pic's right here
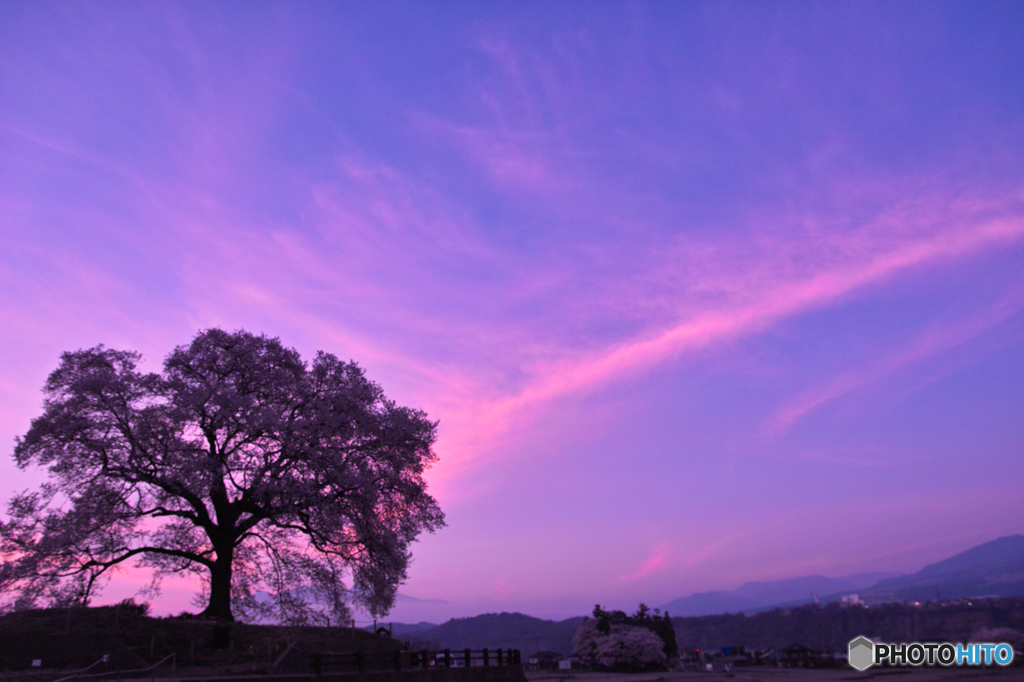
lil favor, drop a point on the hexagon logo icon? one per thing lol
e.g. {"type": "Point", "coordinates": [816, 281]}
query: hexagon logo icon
{"type": "Point", "coordinates": [861, 653]}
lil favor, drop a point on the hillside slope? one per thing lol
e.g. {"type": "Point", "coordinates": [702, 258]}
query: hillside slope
{"type": "Point", "coordinates": [995, 568]}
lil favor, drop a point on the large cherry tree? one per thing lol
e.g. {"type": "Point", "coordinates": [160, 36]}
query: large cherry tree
{"type": "Point", "coordinates": [239, 462]}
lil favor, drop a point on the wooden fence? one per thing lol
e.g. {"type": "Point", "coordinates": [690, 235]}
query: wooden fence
{"type": "Point", "coordinates": [407, 660]}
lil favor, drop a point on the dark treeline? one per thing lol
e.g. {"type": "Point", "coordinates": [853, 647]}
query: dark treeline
{"type": "Point", "coordinates": [832, 627]}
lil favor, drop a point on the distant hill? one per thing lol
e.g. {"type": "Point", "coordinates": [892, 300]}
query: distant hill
{"type": "Point", "coordinates": [398, 629]}
{"type": "Point", "coordinates": [502, 631]}
{"type": "Point", "coordinates": [709, 603]}
{"type": "Point", "coordinates": [999, 557]}
{"type": "Point", "coordinates": [993, 569]}
{"type": "Point", "coordinates": [758, 596]}
{"type": "Point", "coordinates": [808, 587]}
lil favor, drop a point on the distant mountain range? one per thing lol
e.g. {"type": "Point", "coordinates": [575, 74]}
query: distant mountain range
{"type": "Point", "coordinates": [758, 596]}
{"type": "Point", "coordinates": [408, 629]}
{"type": "Point", "coordinates": [500, 631]}
{"type": "Point", "coordinates": [995, 568]}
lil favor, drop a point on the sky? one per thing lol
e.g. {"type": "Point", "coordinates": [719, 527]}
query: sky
{"type": "Point", "coordinates": [700, 293]}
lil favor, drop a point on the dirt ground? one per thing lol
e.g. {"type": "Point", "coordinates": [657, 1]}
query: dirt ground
{"type": "Point", "coordinates": [764, 674]}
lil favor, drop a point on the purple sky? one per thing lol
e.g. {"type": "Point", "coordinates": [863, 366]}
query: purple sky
{"type": "Point", "coordinates": [700, 293]}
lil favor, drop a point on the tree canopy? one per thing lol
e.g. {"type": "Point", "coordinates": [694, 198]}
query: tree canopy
{"type": "Point", "coordinates": [659, 624]}
{"type": "Point", "coordinates": [623, 647]}
{"type": "Point", "coordinates": [239, 463]}
{"type": "Point", "coordinates": [618, 641]}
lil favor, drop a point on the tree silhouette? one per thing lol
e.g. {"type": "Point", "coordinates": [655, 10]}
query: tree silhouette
{"type": "Point", "coordinates": [240, 463]}
{"type": "Point", "coordinates": [614, 640]}
{"type": "Point", "coordinates": [657, 623]}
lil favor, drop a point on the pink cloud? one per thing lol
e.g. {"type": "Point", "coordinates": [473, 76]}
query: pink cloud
{"type": "Point", "coordinates": [654, 563]}
{"type": "Point", "coordinates": [867, 259]}
{"type": "Point", "coordinates": [704, 553]}
{"type": "Point", "coordinates": [376, 249]}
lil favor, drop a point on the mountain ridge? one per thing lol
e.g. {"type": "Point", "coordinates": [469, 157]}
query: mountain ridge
{"type": "Point", "coordinates": [501, 631]}
{"type": "Point", "coordinates": [759, 595]}
{"type": "Point", "coordinates": [992, 568]}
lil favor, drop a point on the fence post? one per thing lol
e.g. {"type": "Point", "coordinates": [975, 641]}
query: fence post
{"type": "Point", "coordinates": [423, 659]}
{"type": "Point", "coordinates": [499, 658]}
{"type": "Point", "coordinates": [318, 664]}
{"type": "Point", "coordinates": [398, 659]}
{"type": "Point", "coordinates": [467, 657]}
{"type": "Point", "coordinates": [487, 658]}
{"type": "Point", "coordinates": [360, 661]}
{"type": "Point", "coordinates": [447, 658]}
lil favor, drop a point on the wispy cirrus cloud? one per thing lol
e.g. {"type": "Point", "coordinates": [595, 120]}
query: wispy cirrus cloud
{"type": "Point", "coordinates": [774, 293]}
{"type": "Point", "coordinates": [931, 342]}
{"type": "Point", "coordinates": [531, 226]}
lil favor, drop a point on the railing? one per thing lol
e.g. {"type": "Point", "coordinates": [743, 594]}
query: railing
{"type": "Point", "coordinates": [76, 673]}
{"type": "Point", "coordinates": [37, 674]}
{"type": "Point", "coordinates": [173, 658]}
{"type": "Point", "coordinates": [406, 660]}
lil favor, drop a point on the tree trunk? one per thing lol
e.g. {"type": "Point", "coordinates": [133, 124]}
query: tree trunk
{"type": "Point", "coordinates": [220, 589]}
